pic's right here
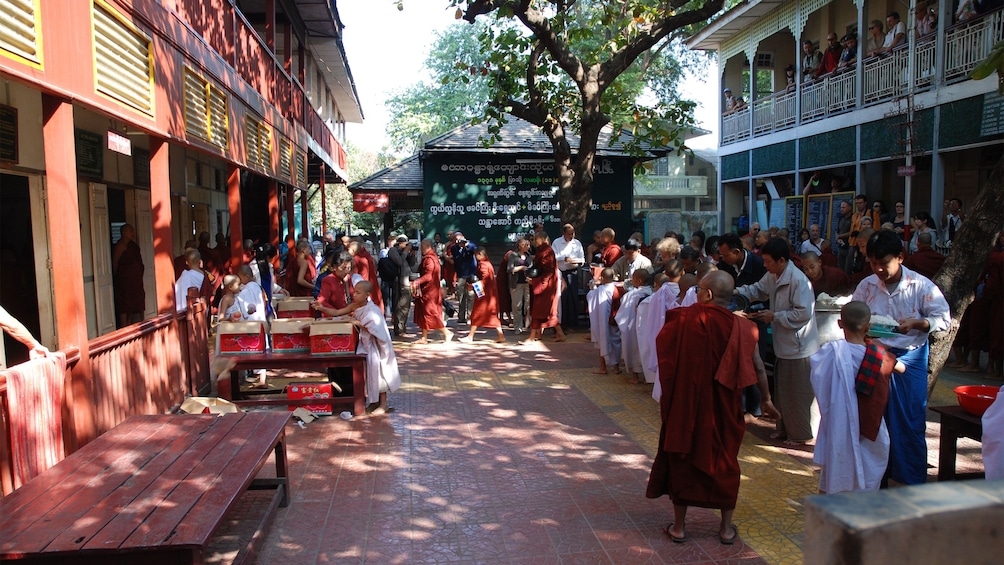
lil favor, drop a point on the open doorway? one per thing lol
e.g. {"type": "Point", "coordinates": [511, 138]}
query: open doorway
{"type": "Point", "coordinates": [18, 281]}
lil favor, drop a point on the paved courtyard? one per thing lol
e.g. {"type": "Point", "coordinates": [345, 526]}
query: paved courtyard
{"type": "Point", "coordinates": [513, 454]}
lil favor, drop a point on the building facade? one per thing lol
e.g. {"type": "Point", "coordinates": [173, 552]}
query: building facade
{"type": "Point", "coordinates": [175, 116]}
{"type": "Point", "coordinates": [906, 125]}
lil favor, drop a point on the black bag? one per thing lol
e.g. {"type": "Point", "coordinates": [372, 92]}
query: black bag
{"type": "Point", "coordinates": [387, 270]}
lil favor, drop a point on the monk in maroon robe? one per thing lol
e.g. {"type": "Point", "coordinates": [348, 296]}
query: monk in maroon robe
{"type": "Point", "coordinates": [127, 262]}
{"type": "Point", "coordinates": [925, 260]}
{"type": "Point", "coordinates": [365, 266]}
{"type": "Point", "coordinates": [485, 313]}
{"type": "Point", "coordinates": [707, 355]}
{"type": "Point", "coordinates": [544, 295]}
{"type": "Point", "coordinates": [611, 251]}
{"type": "Point", "coordinates": [428, 295]}
{"type": "Point", "coordinates": [823, 279]}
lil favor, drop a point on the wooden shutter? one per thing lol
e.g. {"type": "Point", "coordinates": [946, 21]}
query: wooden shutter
{"type": "Point", "coordinates": [123, 61]}
{"type": "Point", "coordinates": [20, 31]}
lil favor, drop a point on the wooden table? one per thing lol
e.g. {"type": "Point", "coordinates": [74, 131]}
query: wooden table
{"type": "Point", "coordinates": [955, 423]}
{"type": "Point", "coordinates": [300, 362]}
{"type": "Point", "coordinates": [152, 490]}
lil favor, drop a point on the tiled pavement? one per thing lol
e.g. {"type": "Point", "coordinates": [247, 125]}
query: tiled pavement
{"type": "Point", "coordinates": [520, 454]}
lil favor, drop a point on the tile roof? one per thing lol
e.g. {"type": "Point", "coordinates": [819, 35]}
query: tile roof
{"type": "Point", "coordinates": [403, 175]}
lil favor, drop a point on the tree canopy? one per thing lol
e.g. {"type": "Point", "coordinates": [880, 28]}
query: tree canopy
{"type": "Point", "coordinates": [573, 68]}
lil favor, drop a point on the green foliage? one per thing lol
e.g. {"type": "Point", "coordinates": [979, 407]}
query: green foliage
{"type": "Point", "coordinates": [340, 215]}
{"type": "Point", "coordinates": [427, 109]}
{"type": "Point", "coordinates": [993, 63]}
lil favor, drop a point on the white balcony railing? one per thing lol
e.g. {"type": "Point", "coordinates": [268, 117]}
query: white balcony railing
{"type": "Point", "coordinates": [774, 112]}
{"type": "Point", "coordinates": [966, 45]}
{"type": "Point", "coordinates": [736, 126]}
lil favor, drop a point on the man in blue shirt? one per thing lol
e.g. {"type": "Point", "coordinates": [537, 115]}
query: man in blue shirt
{"type": "Point", "coordinates": [467, 268]}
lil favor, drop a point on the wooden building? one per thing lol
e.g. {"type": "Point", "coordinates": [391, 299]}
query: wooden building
{"type": "Point", "coordinates": [177, 117]}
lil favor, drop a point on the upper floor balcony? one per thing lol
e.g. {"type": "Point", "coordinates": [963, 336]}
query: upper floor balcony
{"type": "Point", "coordinates": [942, 57]}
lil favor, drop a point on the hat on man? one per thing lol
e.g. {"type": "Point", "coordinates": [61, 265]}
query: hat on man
{"type": "Point", "coordinates": [458, 235]}
{"type": "Point", "coordinates": [402, 238]}
{"type": "Point", "coordinates": [727, 91]}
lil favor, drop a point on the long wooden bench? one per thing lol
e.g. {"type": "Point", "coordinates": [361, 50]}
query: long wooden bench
{"type": "Point", "coordinates": [152, 490]}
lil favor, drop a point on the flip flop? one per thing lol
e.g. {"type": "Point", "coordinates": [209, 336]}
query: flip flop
{"type": "Point", "coordinates": [675, 539]}
{"type": "Point", "coordinates": [732, 540]}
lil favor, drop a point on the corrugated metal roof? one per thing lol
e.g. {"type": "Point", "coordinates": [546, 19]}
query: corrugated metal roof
{"type": "Point", "coordinates": [520, 136]}
{"type": "Point", "coordinates": [401, 176]}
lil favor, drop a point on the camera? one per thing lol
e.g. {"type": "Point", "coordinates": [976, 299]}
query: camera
{"type": "Point", "coordinates": [754, 308]}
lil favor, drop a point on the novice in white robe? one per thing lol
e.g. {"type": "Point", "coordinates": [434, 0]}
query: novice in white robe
{"type": "Point", "coordinates": [650, 325]}
{"type": "Point", "coordinates": [993, 438]}
{"type": "Point", "coordinates": [605, 337]}
{"type": "Point", "coordinates": [382, 375]}
{"type": "Point", "coordinates": [850, 462]}
{"type": "Point", "coordinates": [627, 322]}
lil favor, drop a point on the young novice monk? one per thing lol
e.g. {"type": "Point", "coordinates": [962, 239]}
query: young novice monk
{"type": "Point", "coordinates": [850, 378]}
{"type": "Point", "coordinates": [382, 374]}
{"type": "Point", "coordinates": [230, 308]}
{"type": "Point", "coordinates": [605, 335]}
{"type": "Point", "coordinates": [627, 318]}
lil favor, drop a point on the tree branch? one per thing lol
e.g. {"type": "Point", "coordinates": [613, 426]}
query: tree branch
{"type": "Point", "coordinates": [622, 59]}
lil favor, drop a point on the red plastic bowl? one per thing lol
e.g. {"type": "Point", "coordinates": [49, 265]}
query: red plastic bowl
{"type": "Point", "coordinates": [975, 399]}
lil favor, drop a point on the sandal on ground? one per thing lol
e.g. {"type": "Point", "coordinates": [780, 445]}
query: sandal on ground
{"type": "Point", "coordinates": [729, 541]}
{"type": "Point", "coordinates": [779, 436]}
{"type": "Point", "coordinates": [675, 539]}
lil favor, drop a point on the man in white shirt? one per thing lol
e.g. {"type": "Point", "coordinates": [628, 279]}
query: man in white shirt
{"type": "Point", "coordinates": [632, 260]}
{"type": "Point", "coordinates": [920, 308]}
{"type": "Point", "coordinates": [814, 243]}
{"type": "Point", "coordinates": [896, 35]}
{"type": "Point", "coordinates": [570, 256]}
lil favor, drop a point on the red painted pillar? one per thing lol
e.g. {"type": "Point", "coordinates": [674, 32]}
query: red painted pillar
{"type": "Point", "coordinates": [270, 25]}
{"type": "Point", "coordinates": [273, 213]}
{"type": "Point", "coordinates": [64, 212]}
{"type": "Point", "coordinates": [160, 205]}
{"type": "Point", "coordinates": [304, 224]}
{"type": "Point", "coordinates": [290, 216]}
{"type": "Point", "coordinates": [324, 205]}
{"type": "Point", "coordinates": [236, 226]}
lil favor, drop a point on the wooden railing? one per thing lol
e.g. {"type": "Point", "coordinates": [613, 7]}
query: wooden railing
{"type": "Point", "coordinates": [146, 368]}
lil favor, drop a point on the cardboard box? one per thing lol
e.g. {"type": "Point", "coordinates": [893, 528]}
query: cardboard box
{"type": "Point", "coordinates": [241, 337]}
{"type": "Point", "coordinates": [296, 391]}
{"type": "Point", "coordinates": [208, 405]}
{"type": "Point", "coordinates": [291, 336]}
{"type": "Point", "coordinates": [294, 307]}
{"type": "Point", "coordinates": [333, 337]}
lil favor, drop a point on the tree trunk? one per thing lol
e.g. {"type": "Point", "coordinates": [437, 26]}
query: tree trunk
{"type": "Point", "coordinates": [960, 273]}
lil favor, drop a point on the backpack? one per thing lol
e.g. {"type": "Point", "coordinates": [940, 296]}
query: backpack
{"type": "Point", "coordinates": [387, 269]}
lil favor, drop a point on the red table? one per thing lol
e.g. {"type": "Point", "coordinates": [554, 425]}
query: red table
{"type": "Point", "coordinates": [152, 490]}
{"type": "Point", "coordinates": [300, 362]}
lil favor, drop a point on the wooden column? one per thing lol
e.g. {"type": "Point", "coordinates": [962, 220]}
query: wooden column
{"type": "Point", "coordinates": [304, 225]}
{"type": "Point", "coordinates": [270, 25]}
{"type": "Point", "coordinates": [324, 205]}
{"type": "Point", "coordinates": [290, 216]}
{"type": "Point", "coordinates": [160, 206]}
{"type": "Point", "coordinates": [273, 213]}
{"type": "Point", "coordinates": [64, 241]}
{"type": "Point", "coordinates": [236, 225]}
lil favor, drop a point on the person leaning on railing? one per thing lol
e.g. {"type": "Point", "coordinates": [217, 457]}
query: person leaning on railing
{"type": "Point", "coordinates": [16, 330]}
{"type": "Point", "coordinates": [732, 103]}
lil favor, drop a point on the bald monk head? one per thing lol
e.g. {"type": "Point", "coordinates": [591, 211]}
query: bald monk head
{"type": "Point", "coordinates": [686, 281]}
{"type": "Point", "coordinates": [660, 279]}
{"type": "Point", "coordinates": [361, 292]}
{"type": "Point", "coordinates": [720, 287]}
{"type": "Point", "coordinates": [607, 275]}
{"type": "Point", "coordinates": [704, 268]}
{"type": "Point", "coordinates": [855, 317]}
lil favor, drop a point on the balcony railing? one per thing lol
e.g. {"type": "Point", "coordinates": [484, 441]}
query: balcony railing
{"type": "Point", "coordinates": [966, 45]}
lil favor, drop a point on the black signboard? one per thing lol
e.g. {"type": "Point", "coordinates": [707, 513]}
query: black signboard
{"type": "Point", "coordinates": [8, 134]}
{"type": "Point", "coordinates": [837, 198]}
{"type": "Point", "coordinates": [90, 150]}
{"type": "Point", "coordinates": [498, 198]}
{"type": "Point", "coordinates": [819, 213]}
{"type": "Point", "coordinates": [794, 216]}
{"type": "Point", "coordinates": [140, 167]}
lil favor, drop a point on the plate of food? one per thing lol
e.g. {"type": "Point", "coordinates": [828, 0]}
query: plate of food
{"type": "Point", "coordinates": [883, 326]}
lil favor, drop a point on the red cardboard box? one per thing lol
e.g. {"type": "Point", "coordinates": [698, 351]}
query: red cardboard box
{"type": "Point", "coordinates": [296, 391]}
{"type": "Point", "coordinates": [333, 337]}
{"type": "Point", "coordinates": [241, 337]}
{"type": "Point", "coordinates": [291, 336]}
{"type": "Point", "coordinates": [294, 307]}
